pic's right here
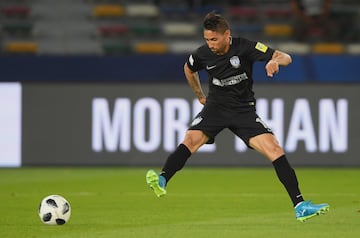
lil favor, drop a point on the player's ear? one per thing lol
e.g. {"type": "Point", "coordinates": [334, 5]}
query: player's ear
{"type": "Point", "coordinates": [227, 33]}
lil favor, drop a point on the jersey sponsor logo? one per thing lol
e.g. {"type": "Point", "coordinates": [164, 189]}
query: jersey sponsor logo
{"type": "Point", "coordinates": [230, 81]}
{"type": "Point", "coordinates": [210, 67]}
{"type": "Point", "coordinates": [235, 61]}
{"type": "Point", "coordinates": [261, 47]}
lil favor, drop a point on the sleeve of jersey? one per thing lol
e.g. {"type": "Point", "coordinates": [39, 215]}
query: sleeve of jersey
{"type": "Point", "coordinates": [193, 62]}
{"type": "Point", "coordinates": [259, 51]}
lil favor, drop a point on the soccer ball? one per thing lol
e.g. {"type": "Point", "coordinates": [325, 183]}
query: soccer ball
{"type": "Point", "coordinates": [54, 210]}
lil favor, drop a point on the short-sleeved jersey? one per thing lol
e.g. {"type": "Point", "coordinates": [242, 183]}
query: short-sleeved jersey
{"type": "Point", "coordinates": [230, 75]}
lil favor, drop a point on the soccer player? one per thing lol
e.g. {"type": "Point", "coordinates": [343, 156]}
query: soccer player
{"type": "Point", "coordinates": [230, 103]}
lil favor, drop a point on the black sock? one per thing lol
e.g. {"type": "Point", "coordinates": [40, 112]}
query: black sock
{"type": "Point", "coordinates": [175, 162]}
{"type": "Point", "coordinates": [287, 176]}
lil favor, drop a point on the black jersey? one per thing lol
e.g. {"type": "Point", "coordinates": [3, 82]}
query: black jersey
{"type": "Point", "coordinates": [230, 75]}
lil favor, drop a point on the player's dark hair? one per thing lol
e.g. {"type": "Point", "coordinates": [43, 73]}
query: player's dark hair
{"type": "Point", "coordinates": [215, 22]}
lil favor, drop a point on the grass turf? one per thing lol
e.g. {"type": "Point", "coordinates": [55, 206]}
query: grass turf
{"type": "Point", "coordinates": [201, 202]}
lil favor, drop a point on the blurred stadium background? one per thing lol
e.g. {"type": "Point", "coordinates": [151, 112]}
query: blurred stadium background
{"type": "Point", "coordinates": [71, 69]}
{"type": "Point", "coordinates": [103, 27]}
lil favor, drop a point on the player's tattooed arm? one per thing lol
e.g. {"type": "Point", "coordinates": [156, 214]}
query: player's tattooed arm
{"type": "Point", "coordinates": [194, 82]}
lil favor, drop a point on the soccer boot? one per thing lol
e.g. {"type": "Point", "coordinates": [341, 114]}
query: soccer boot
{"type": "Point", "coordinates": [307, 209]}
{"type": "Point", "coordinates": [156, 183]}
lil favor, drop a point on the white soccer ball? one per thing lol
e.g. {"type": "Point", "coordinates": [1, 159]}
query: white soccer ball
{"type": "Point", "coordinates": [54, 210]}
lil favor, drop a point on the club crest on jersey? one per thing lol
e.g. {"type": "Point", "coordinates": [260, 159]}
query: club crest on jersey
{"type": "Point", "coordinates": [235, 61]}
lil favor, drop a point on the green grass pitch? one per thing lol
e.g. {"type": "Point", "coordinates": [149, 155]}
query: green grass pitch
{"type": "Point", "coordinates": [201, 202]}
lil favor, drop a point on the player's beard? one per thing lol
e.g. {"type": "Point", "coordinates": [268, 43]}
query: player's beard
{"type": "Point", "coordinates": [215, 51]}
{"type": "Point", "coordinates": [219, 51]}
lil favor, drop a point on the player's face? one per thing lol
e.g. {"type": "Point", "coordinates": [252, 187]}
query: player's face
{"type": "Point", "coordinates": [217, 42]}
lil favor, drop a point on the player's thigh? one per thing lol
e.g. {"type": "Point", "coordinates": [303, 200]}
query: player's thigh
{"type": "Point", "coordinates": [247, 125]}
{"type": "Point", "coordinates": [210, 120]}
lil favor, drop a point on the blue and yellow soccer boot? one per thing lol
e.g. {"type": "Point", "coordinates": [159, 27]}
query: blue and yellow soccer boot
{"type": "Point", "coordinates": [307, 209]}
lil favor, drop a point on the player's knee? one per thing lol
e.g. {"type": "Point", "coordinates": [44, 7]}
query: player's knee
{"type": "Point", "coordinates": [275, 151]}
{"type": "Point", "coordinates": [190, 143]}
{"type": "Point", "coordinates": [194, 140]}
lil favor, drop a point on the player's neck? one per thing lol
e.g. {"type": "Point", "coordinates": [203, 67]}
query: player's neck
{"type": "Point", "coordinates": [227, 47]}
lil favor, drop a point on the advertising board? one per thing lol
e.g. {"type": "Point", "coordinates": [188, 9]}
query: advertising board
{"type": "Point", "coordinates": [140, 124]}
{"type": "Point", "coordinates": [10, 124]}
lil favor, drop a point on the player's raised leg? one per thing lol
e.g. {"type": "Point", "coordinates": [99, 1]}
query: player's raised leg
{"type": "Point", "coordinates": [156, 183]}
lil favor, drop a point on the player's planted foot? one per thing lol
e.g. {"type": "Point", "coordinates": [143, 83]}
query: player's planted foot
{"type": "Point", "coordinates": [156, 183]}
{"type": "Point", "coordinates": [307, 209]}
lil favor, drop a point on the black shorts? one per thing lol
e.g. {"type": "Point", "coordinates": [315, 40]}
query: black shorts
{"type": "Point", "coordinates": [213, 119]}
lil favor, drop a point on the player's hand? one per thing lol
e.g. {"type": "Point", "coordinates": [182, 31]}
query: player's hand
{"type": "Point", "coordinates": [272, 67]}
{"type": "Point", "coordinates": [202, 100]}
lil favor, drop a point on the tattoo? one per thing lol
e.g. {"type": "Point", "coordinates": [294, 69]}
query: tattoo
{"type": "Point", "coordinates": [195, 85]}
